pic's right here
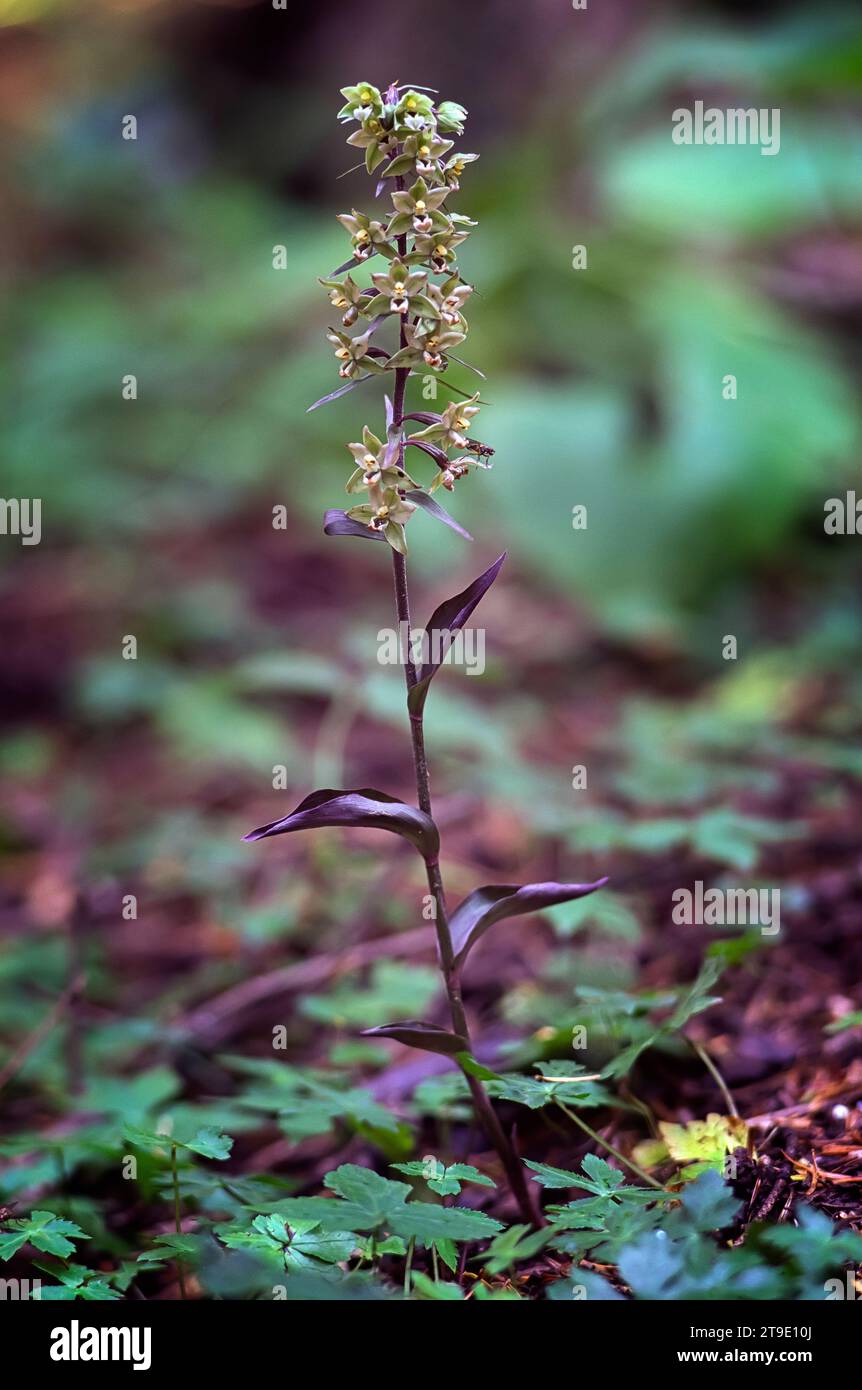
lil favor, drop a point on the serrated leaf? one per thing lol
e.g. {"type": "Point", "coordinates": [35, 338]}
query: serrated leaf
{"type": "Point", "coordinates": [426, 1223]}
{"type": "Point", "coordinates": [360, 806]}
{"type": "Point", "coordinates": [209, 1143]}
{"type": "Point", "coordinates": [519, 1242]}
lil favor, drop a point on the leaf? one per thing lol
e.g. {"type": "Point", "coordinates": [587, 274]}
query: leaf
{"type": "Point", "coordinates": [359, 806]}
{"type": "Point", "coordinates": [594, 1288]}
{"type": "Point", "coordinates": [440, 1292]}
{"type": "Point", "coordinates": [694, 1001]}
{"type": "Point", "coordinates": [451, 617]}
{"type": "Point", "coordinates": [209, 1143]}
{"type": "Point", "coordinates": [598, 1177]}
{"type": "Point", "coordinates": [517, 1243]}
{"type": "Point", "coordinates": [482, 908]}
{"type": "Point", "coordinates": [341, 391]}
{"type": "Point", "coordinates": [705, 1142]}
{"type": "Point", "coordinates": [426, 1223]}
{"type": "Point", "coordinates": [338, 523]}
{"type": "Point", "coordinates": [429, 1037]}
{"type": "Point", "coordinates": [45, 1231]}
{"type": "Point", "coordinates": [445, 1181]}
{"type": "Point", "coordinates": [428, 504]}
{"type": "Point", "coordinates": [349, 265]}
{"type": "Point", "coordinates": [370, 1201]}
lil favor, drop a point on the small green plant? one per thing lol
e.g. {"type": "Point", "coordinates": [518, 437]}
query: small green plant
{"type": "Point", "coordinates": [405, 135]}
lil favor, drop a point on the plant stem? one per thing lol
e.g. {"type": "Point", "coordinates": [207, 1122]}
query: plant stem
{"type": "Point", "coordinates": [411, 1246]}
{"type": "Point", "coordinates": [177, 1218]}
{"type": "Point", "coordinates": [717, 1078]}
{"type": "Point", "coordinates": [629, 1163]}
{"type": "Point", "coordinates": [485, 1112]}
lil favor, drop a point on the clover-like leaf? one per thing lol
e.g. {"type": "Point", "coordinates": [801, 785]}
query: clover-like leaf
{"type": "Point", "coordinates": [451, 617]}
{"type": "Point", "coordinates": [482, 908]}
{"type": "Point", "coordinates": [429, 1037]}
{"type": "Point", "coordinates": [357, 806]}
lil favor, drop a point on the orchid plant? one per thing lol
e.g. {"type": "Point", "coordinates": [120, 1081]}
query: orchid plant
{"type": "Point", "coordinates": [405, 136]}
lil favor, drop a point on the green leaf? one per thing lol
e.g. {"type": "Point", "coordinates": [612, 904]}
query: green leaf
{"type": "Point", "coordinates": [511, 1246]}
{"type": "Point", "coordinates": [43, 1230]}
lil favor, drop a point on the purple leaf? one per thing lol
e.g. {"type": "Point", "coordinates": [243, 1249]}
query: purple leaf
{"type": "Point", "coordinates": [349, 265]}
{"type": "Point", "coordinates": [342, 391]}
{"type": "Point", "coordinates": [337, 523]}
{"type": "Point", "coordinates": [428, 504]}
{"type": "Point", "coordinates": [481, 909]}
{"type": "Point", "coordinates": [429, 1037]}
{"type": "Point", "coordinates": [451, 617]}
{"type": "Point", "coordinates": [440, 458]}
{"type": "Point", "coordinates": [357, 806]}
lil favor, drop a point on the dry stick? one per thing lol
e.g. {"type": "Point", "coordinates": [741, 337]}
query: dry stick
{"type": "Point", "coordinates": [485, 1112]}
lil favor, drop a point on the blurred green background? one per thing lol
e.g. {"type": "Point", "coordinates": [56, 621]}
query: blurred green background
{"type": "Point", "coordinates": [257, 647]}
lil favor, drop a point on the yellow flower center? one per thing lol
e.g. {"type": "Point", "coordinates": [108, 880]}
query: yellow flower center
{"type": "Point", "coordinates": [365, 96]}
{"type": "Point", "coordinates": [440, 251]}
{"type": "Point", "coordinates": [383, 512]}
{"type": "Point", "coordinates": [399, 286]}
{"type": "Point", "coordinates": [420, 206]}
{"type": "Point", "coordinates": [424, 151]}
{"type": "Point", "coordinates": [411, 103]}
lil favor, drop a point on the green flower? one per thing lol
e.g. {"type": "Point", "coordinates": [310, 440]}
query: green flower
{"type": "Point", "coordinates": [414, 112]}
{"type": "Point", "coordinates": [421, 153]}
{"type": "Point", "coordinates": [437, 249]}
{"type": "Point", "coordinates": [390, 516]}
{"type": "Point", "coordinates": [352, 353]}
{"type": "Point", "coordinates": [454, 168]}
{"type": "Point", "coordinates": [346, 296]}
{"type": "Point", "coordinates": [377, 467]}
{"type": "Point", "coordinates": [361, 102]}
{"type": "Point", "coordinates": [451, 115]}
{"type": "Point", "coordinates": [447, 302]}
{"type": "Point", "coordinates": [367, 236]}
{"type": "Point", "coordinates": [418, 210]}
{"type": "Point", "coordinates": [449, 430]}
{"type": "Point", "coordinates": [428, 345]}
{"type": "Point", "coordinates": [400, 291]}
